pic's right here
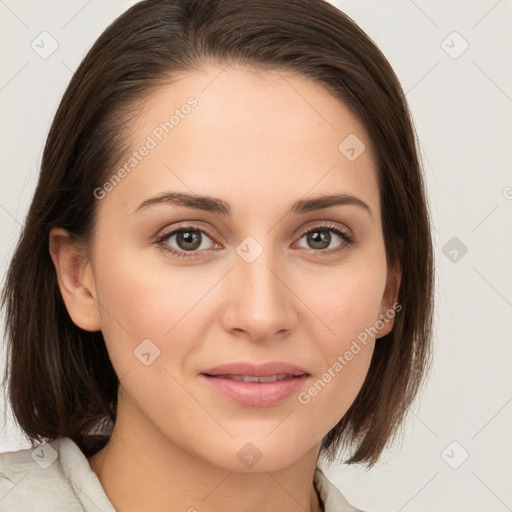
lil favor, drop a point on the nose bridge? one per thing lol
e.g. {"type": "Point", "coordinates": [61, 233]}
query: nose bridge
{"type": "Point", "coordinates": [260, 301]}
{"type": "Point", "coordinates": [261, 278]}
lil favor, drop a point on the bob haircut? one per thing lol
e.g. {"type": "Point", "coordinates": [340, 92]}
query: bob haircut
{"type": "Point", "coordinates": [60, 379]}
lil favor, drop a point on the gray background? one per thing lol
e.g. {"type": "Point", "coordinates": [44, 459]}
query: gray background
{"type": "Point", "coordinates": [456, 449]}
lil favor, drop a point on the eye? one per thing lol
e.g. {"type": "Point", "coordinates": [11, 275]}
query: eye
{"type": "Point", "coordinates": [187, 239]}
{"type": "Point", "coordinates": [320, 239]}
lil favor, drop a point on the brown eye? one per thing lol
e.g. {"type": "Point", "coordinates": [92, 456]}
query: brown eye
{"type": "Point", "coordinates": [322, 238]}
{"type": "Point", "coordinates": [319, 239]}
{"type": "Point", "coordinates": [188, 240]}
{"type": "Point", "coordinates": [185, 240]}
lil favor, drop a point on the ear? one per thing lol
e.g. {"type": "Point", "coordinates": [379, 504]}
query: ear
{"type": "Point", "coordinates": [389, 306]}
{"type": "Point", "coordinates": [76, 280]}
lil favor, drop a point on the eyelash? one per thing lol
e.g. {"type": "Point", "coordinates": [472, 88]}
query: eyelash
{"type": "Point", "coordinates": [347, 239]}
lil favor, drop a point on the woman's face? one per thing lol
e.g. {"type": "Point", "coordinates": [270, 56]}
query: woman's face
{"type": "Point", "coordinates": [241, 283]}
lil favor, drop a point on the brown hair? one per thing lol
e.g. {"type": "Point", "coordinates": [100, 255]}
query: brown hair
{"type": "Point", "coordinates": [61, 381]}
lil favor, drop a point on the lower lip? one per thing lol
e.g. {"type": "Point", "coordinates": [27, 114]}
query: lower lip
{"type": "Point", "coordinates": [257, 394]}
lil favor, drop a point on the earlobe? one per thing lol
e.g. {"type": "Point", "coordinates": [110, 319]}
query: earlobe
{"type": "Point", "coordinates": [76, 280]}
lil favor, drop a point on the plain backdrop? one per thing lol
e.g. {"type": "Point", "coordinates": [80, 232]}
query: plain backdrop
{"type": "Point", "coordinates": [454, 62]}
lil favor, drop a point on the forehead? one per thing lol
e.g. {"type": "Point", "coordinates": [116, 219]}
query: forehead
{"type": "Point", "coordinates": [257, 139]}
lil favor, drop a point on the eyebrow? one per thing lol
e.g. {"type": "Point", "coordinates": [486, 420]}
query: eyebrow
{"type": "Point", "coordinates": [219, 206]}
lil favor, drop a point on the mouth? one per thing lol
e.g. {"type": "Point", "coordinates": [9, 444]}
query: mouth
{"type": "Point", "coordinates": [256, 385]}
{"type": "Point", "coordinates": [256, 378]}
{"type": "Point", "coordinates": [275, 370]}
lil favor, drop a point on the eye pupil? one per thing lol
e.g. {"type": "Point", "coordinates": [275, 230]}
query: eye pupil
{"type": "Point", "coordinates": [188, 240]}
{"type": "Point", "coordinates": [319, 237]}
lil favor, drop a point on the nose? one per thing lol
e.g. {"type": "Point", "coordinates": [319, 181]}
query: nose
{"type": "Point", "coordinates": [259, 302]}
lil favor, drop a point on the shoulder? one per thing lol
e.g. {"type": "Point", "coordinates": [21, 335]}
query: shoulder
{"type": "Point", "coordinates": [48, 477]}
{"type": "Point", "coordinates": [32, 479]}
{"type": "Point", "coordinates": [332, 498]}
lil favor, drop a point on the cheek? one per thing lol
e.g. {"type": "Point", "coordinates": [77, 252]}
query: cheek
{"type": "Point", "coordinates": [346, 354]}
{"type": "Point", "coordinates": [150, 332]}
{"type": "Point", "coordinates": [346, 300]}
{"type": "Point", "coordinates": [140, 301]}
{"type": "Point", "coordinates": [348, 304]}
{"type": "Point", "coordinates": [333, 391]}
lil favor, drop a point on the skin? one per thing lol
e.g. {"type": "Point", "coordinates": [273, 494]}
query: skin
{"type": "Point", "coordinates": [259, 141]}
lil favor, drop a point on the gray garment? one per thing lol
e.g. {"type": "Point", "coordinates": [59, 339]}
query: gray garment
{"type": "Point", "coordinates": [56, 477]}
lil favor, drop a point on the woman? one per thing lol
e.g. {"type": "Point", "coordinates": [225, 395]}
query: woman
{"type": "Point", "coordinates": [226, 270]}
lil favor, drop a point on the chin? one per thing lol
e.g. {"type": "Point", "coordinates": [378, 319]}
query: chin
{"type": "Point", "coordinates": [258, 455]}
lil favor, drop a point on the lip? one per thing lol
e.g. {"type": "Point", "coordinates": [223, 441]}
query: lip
{"type": "Point", "coordinates": [262, 370]}
{"type": "Point", "coordinates": [256, 394]}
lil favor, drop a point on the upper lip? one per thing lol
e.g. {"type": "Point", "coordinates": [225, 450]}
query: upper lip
{"type": "Point", "coordinates": [256, 370]}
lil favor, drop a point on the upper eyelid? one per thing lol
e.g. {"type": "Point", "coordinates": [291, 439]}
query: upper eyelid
{"type": "Point", "coordinates": [326, 225]}
{"type": "Point", "coordinates": [168, 233]}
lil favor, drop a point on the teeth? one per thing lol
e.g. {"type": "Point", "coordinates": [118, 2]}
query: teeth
{"type": "Point", "coordinates": [251, 378]}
